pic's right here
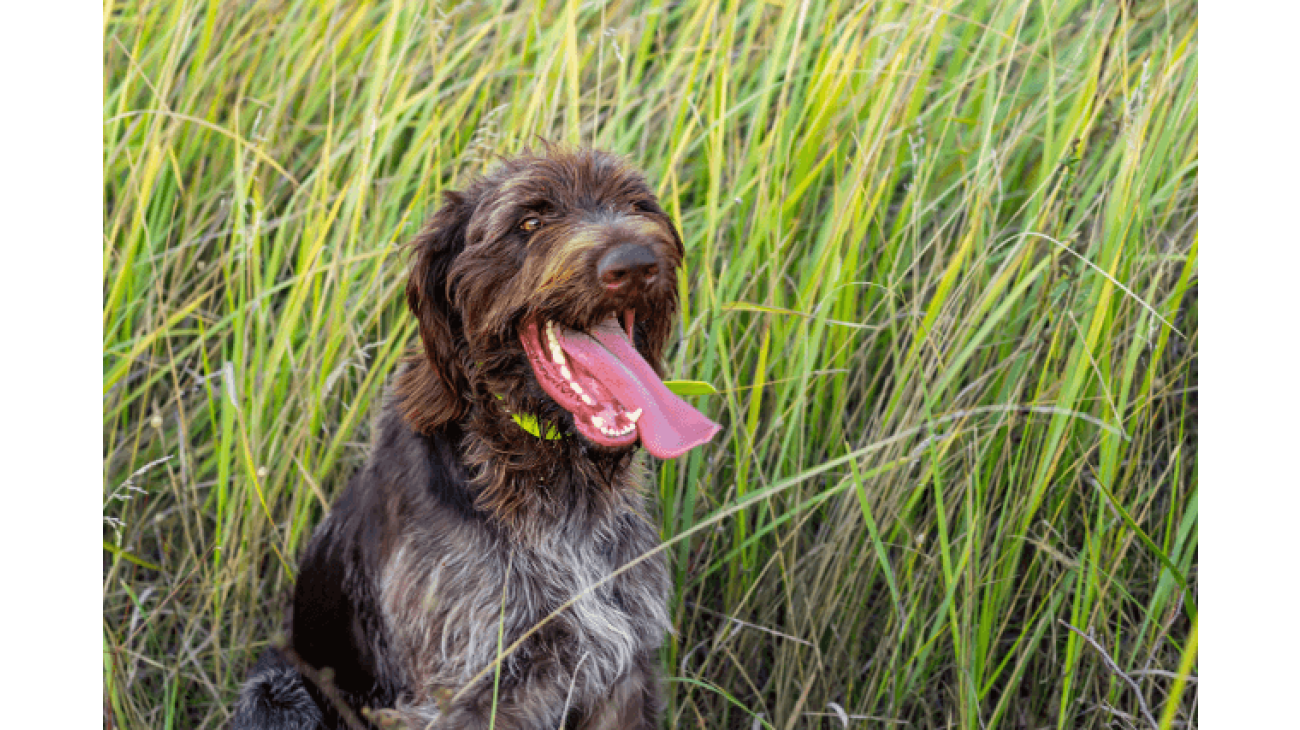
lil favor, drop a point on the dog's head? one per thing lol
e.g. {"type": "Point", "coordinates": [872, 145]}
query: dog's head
{"type": "Point", "coordinates": [549, 287]}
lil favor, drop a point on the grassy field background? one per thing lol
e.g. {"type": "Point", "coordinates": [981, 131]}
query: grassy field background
{"type": "Point", "coordinates": [941, 263]}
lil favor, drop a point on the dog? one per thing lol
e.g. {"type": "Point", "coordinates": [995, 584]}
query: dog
{"type": "Point", "coordinates": [504, 480]}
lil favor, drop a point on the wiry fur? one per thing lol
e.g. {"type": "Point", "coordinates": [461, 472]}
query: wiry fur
{"type": "Point", "coordinates": [462, 532]}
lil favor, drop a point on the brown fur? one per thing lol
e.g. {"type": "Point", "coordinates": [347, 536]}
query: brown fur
{"type": "Point", "coordinates": [401, 591]}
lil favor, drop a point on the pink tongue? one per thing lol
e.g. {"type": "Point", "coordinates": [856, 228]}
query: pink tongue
{"type": "Point", "coordinates": [668, 426]}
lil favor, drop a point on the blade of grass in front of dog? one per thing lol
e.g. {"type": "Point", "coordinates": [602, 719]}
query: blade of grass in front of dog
{"type": "Point", "coordinates": [500, 658]}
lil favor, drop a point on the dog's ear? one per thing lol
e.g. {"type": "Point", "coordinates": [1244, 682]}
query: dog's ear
{"type": "Point", "coordinates": [431, 392]}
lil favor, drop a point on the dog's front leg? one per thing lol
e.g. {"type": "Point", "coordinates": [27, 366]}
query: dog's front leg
{"type": "Point", "coordinates": [633, 703]}
{"type": "Point", "coordinates": [533, 702]}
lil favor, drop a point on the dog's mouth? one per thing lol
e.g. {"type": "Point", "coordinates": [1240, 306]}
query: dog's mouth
{"type": "Point", "coordinates": [614, 395]}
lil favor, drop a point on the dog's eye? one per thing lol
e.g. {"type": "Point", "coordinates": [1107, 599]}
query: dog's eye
{"type": "Point", "coordinates": [644, 206]}
{"type": "Point", "coordinates": [530, 224]}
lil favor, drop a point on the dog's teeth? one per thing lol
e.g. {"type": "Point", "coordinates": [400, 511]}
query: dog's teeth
{"type": "Point", "coordinates": [553, 345]}
{"type": "Point", "coordinates": [634, 415]}
{"type": "Point", "coordinates": [610, 429]}
{"type": "Point", "coordinates": [564, 372]}
{"type": "Point", "coordinates": [576, 388]}
{"type": "Point", "coordinates": [588, 399]}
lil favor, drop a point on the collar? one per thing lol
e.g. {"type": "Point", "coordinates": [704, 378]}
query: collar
{"type": "Point", "coordinates": [528, 422]}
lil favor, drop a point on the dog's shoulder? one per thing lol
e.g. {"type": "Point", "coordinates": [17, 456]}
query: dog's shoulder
{"type": "Point", "coordinates": [338, 618]}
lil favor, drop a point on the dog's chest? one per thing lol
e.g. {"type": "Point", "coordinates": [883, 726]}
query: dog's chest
{"type": "Point", "coordinates": [603, 618]}
{"type": "Point", "coordinates": [447, 608]}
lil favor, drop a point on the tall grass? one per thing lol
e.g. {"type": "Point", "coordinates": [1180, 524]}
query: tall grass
{"type": "Point", "coordinates": [958, 239]}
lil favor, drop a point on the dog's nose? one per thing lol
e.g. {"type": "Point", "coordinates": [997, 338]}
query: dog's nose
{"type": "Point", "coordinates": [629, 265]}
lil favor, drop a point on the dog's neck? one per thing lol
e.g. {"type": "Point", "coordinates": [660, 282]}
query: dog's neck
{"type": "Point", "coordinates": [518, 479]}
{"type": "Point", "coordinates": [521, 479]}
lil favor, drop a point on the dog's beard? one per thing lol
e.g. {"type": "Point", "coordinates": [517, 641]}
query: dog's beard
{"type": "Point", "coordinates": [613, 394]}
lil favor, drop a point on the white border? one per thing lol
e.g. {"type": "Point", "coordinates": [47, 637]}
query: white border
{"type": "Point", "coordinates": [51, 188]}
{"type": "Point", "coordinates": [1251, 488]}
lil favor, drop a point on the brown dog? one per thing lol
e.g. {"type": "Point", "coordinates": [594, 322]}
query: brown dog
{"type": "Point", "coordinates": [502, 482]}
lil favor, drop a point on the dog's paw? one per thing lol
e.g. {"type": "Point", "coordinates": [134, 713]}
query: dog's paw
{"type": "Point", "coordinates": [275, 699]}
